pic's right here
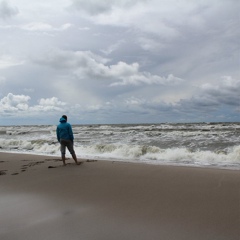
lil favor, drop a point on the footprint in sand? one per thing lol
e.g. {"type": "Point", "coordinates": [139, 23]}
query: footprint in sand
{"type": "Point", "coordinates": [16, 173]}
{"type": "Point", "coordinates": [51, 167]}
{"type": "Point", "coordinates": [53, 159]}
{"type": "Point", "coordinates": [3, 172]}
{"type": "Point", "coordinates": [88, 160]}
{"type": "Point", "coordinates": [24, 169]}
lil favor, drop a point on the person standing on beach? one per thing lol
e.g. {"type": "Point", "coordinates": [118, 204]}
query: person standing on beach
{"type": "Point", "coordinates": [65, 138]}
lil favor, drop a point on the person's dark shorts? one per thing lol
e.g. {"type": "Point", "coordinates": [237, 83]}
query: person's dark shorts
{"type": "Point", "coordinates": [66, 143]}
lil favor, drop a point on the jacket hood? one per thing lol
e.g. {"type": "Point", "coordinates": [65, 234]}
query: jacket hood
{"type": "Point", "coordinates": [62, 120]}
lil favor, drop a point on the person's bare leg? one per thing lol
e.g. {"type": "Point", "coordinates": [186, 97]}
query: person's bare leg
{"type": "Point", "coordinates": [63, 159]}
{"type": "Point", "coordinates": [75, 158]}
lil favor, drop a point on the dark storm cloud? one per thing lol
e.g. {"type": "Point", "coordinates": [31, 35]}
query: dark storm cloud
{"type": "Point", "coordinates": [128, 60]}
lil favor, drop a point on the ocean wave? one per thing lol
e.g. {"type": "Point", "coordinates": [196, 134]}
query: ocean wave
{"type": "Point", "coordinates": [180, 144]}
{"type": "Point", "coordinates": [230, 158]}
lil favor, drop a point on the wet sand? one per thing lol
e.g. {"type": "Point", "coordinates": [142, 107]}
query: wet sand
{"type": "Point", "coordinates": [100, 200]}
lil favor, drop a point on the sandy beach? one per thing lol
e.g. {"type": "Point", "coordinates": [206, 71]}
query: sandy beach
{"type": "Point", "coordinates": [101, 200]}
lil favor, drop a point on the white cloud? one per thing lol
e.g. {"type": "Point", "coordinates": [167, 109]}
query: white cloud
{"type": "Point", "coordinates": [134, 101]}
{"type": "Point", "coordinates": [210, 98]}
{"type": "Point", "coordinates": [51, 102]}
{"type": "Point", "coordinates": [83, 60]}
{"type": "Point", "coordinates": [49, 105]}
{"type": "Point", "coordinates": [92, 66]}
{"type": "Point", "coordinates": [169, 21]}
{"type": "Point", "coordinates": [151, 16]}
{"type": "Point", "coordinates": [7, 11]}
{"type": "Point", "coordinates": [140, 78]}
{"type": "Point", "coordinates": [37, 26]}
{"type": "Point", "coordinates": [112, 47]}
{"type": "Point", "coordinates": [7, 61]}
{"type": "Point", "coordinates": [226, 92]}
{"type": "Point", "coordinates": [149, 44]}
{"type": "Point", "coordinates": [207, 100]}
{"type": "Point", "coordinates": [41, 26]}
{"type": "Point", "coordinates": [13, 103]}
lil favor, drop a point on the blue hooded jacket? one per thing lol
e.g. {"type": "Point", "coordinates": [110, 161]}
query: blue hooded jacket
{"type": "Point", "coordinates": [64, 130]}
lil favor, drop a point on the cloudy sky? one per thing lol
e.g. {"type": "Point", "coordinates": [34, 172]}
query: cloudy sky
{"type": "Point", "coordinates": [119, 61]}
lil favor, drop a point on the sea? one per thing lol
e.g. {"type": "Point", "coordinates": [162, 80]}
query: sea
{"type": "Point", "coordinates": [213, 145]}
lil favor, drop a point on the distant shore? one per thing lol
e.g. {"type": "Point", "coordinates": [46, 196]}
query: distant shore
{"type": "Point", "coordinates": [41, 199]}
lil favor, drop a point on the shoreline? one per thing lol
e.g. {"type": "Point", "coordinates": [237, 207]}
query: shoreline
{"type": "Point", "coordinates": [115, 200]}
{"type": "Point", "coordinates": [130, 161]}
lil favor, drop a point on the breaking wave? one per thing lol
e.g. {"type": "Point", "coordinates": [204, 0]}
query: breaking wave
{"type": "Point", "coordinates": [215, 145]}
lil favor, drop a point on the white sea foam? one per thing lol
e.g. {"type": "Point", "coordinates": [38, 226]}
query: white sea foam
{"type": "Point", "coordinates": [182, 144]}
{"type": "Point", "coordinates": [156, 155]}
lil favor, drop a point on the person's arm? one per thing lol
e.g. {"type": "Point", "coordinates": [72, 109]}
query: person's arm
{"type": "Point", "coordinates": [70, 132]}
{"type": "Point", "coordinates": [58, 136]}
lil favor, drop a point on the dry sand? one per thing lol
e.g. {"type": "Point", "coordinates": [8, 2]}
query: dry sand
{"type": "Point", "coordinates": [101, 200]}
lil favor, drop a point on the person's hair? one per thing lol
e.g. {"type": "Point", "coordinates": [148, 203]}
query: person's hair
{"type": "Point", "coordinates": [64, 116]}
